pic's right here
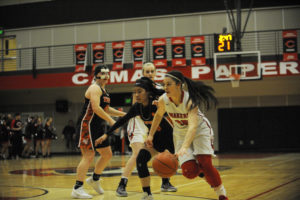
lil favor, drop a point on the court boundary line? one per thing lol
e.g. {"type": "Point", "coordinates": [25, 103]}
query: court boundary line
{"type": "Point", "coordinates": [43, 189]}
{"type": "Point", "coordinates": [272, 189]}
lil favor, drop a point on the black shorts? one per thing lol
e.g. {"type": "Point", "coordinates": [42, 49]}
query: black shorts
{"type": "Point", "coordinates": [89, 132]}
{"type": "Point", "coordinates": [163, 140]}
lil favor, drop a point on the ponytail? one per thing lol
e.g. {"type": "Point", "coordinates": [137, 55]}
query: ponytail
{"type": "Point", "coordinates": [200, 95]}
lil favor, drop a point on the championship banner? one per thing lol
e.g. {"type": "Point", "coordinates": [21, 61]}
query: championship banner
{"type": "Point", "coordinates": [138, 53]}
{"type": "Point", "coordinates": [81, 57]}
{"type": "Point", "coordinates": [118, 55]}
{"type": "Point", "coordinates": [159, 52]}
{"type": "Point", "coordinates": [290, 45]}
{"type": "Point", "coordinates": [198, 51]}
{"type": "Point", "coordinates": [98, 54]}
{"type": "Point", "coordinates": [178, 52]}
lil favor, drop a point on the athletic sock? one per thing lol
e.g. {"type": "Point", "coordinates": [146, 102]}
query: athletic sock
{"type": "Point", "coordinates": [220, 190]}
{"type": "Point", "coordinates": [165, 180]}
{"type": "Point", "coordinates": [123, 181]}
{"type": "Point", "coordinates": [96, 177]}
{"type": "Point", "coordinates": [78, 184]}
{"type": "Point", "coordinates": [147, 189]}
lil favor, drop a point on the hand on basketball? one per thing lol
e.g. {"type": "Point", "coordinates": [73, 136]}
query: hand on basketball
{"type": "Point", "coordinates": [181, 151]}
{"type": "Point", "coordinates": [101, 139]}
{"type": "Point", "coordinates": [149, 141]}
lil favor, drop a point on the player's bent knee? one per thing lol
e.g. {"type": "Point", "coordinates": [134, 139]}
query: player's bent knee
{"type": "Point", "coordinates": [190, 169]}
{"type": "Point", "coordinates": [141, 163]}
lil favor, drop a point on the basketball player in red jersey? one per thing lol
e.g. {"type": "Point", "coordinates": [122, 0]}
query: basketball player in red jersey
{"type": "Point", "coordinates": [96, 112]}
{"type": "Point", "coordinates": [192, 132]}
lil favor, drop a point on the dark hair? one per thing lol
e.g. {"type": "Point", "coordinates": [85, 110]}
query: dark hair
{"type": "Point", "coordinates": [98, 69]}
{"type": "Point", "coordinates": [149, 86]}
{"type": "Point", "coordinates": [199, 93]}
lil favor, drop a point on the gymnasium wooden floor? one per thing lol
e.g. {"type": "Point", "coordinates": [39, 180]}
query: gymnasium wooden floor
{"type": "Point", "coordinates": [246, 177]}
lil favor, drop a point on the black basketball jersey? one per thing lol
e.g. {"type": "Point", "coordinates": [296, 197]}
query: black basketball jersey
{"type": "Point", "coordinates": [163, 138]}
{"type": "Point", "coordinates": [91, 126]}
{"type": "Point", "coordinates": [88, 114]}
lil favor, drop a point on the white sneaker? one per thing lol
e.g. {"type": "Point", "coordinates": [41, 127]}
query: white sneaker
{"type": "Point", "coordinates": [79, 193]}
{"type": "Point", "coordinates": [95, 185]}
{"type": "Point", "coordinates": [146, 196]}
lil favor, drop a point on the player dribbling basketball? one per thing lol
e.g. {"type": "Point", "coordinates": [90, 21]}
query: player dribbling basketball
{"type": "Point", "coordinates": [192, 132]}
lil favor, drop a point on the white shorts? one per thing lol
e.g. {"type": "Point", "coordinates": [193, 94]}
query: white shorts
{"type": "Point", "coordinates": [137, 130]}
{"type": "Point", "coordinates": [202, 144]}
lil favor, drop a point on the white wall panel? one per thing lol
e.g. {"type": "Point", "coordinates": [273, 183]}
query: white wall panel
{"type": "Point", "coordinates": [63, 35]}
{"type": "Point", "coordinates": [161, 27]}
{"type": "Point", "coordinates": [87, 33]}
{"type": "Point", "coordinates": [269, 19]}
{"type": "Point", "coordinates": [111, 31]}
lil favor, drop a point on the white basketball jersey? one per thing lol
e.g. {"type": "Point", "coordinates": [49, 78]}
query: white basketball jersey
{"type": "Point", "coordinates": [179, 116]}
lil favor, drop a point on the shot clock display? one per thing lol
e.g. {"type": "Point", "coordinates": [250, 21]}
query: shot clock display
{"type": "Point", "coordinates": [224, 42]}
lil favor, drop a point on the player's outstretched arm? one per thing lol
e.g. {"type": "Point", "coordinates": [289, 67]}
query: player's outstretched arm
{"type": "Point", "coordinates": [156, 121]}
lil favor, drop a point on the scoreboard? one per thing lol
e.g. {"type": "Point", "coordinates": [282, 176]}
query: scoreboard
{"type": "Point", "coordinates": [224, 42]}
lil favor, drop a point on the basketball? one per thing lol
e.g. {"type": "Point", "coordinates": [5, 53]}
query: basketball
{"type": "Point", "coordinates": [165, 164]}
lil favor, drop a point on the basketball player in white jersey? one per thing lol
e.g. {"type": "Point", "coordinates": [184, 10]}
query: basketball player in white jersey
{"type": "Point", "coordinates": [192, 132]}
{"type": "Point", "coordinates": [137, 133]}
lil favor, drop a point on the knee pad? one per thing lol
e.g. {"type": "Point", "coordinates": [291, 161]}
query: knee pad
{"type": "Point", "coordinates": [190, 169]}
{"type": "Point", "coordinates": [141, 163]}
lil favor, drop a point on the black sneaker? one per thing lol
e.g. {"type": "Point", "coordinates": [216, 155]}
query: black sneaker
{"type": "Point", "coordinates": [168, 187]}
{"type": "Point", "coordinates": [121, 191]}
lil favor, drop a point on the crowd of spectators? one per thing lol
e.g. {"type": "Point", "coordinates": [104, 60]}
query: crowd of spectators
{"type": "Point", "coordinates": [31, 138]}
{"type": "Point", "coordinates": [25, 139]}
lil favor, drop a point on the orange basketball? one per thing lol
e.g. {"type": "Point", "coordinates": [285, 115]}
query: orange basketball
{"type": "Point", "coordinates": [165, 164]}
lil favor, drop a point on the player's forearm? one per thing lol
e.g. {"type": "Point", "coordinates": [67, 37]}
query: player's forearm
{"type": "Point", "coordinates": [155, 123]}
{"type": "Point", "coordinates": [115, 113]}
{"type": "Point", "coordinates": [189, 137]}
{"type": "Point", "coordinates": [101, 113]}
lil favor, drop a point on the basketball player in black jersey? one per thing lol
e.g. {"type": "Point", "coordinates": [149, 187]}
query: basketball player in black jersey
{"type": "Point", "coordinates": [96, 112]}
{"type": "Point", "coordinates": [146, 93]}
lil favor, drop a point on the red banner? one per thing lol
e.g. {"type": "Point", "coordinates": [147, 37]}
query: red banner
{"type": "Point", "coordinates": [81, 57]}
{"type": "Point", "coordinates": [69, 79]}
{"type": "Point", "coordinates": [159, 52]}
{"type": "Point", "coordinates": [118, 55]}
{"type": "Point", "coordinates": [138, 53]}
{"type": "Point", "coordinates": [198, 51]}
{"type": "Point", "coordinates": [98, 54]}
{"type": "Point", "coordinates": [178, 52]}
{"type": "Point", "coordinates": [290, 45]}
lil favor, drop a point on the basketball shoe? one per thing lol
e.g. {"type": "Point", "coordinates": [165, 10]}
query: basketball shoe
{"type": "Point", "coordinates": [146, 196]}
{"type": "Point", "coordinates": [95, 185]}
{"type": "Point", "coordinates": [222, 197]}
{"type": "Point", "coordinates": [79, 193]}
{"type": "Point", "coordinates": [168, 187]}
{"type": "Point", "coordinates": [121, 191]}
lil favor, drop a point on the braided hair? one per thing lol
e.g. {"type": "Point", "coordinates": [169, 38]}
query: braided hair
{"type": "Point", "coordinates": [200, 95]}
